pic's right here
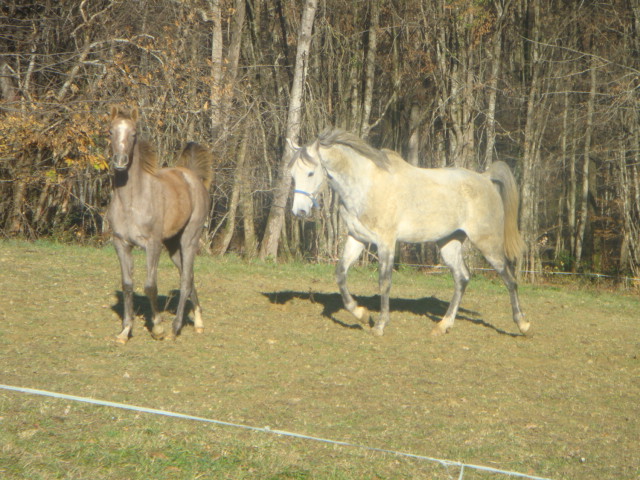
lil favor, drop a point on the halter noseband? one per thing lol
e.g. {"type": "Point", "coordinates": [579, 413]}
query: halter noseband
{"type": "Point", "coordinates": [312, 197]}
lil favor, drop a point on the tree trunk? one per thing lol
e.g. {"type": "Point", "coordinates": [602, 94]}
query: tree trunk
{"type": "Point", "coordinates": [275, 221]}
{"type": "Point", "coordinates": [496, 62]}
{"type": "Point", "coordinates": [529, 218]}
{"type": "Point", "coordinates": [413, 148]}
{"type": "Point", "coordinates": [216, 95]}
{"type": "Point", "coordinates": [8, 90]}
{"type": "Point", "coordinates": [370, 68]}
{"type": "Point", "coordinates": [584, 197]}
{"type": "Point", "coordinates": [229, 229]}
{"type": "Point", "coordinates": [246, 205]}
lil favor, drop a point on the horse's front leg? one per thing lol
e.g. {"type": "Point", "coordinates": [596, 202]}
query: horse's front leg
{"type": "Point", "coordinates": [385, 254]}
{"type": "Point", "coordinates": [151, 288]}
{"type": "Point", "coordinates": [352, 250]}
{"type": "Point", "coordinates": [123, 249]}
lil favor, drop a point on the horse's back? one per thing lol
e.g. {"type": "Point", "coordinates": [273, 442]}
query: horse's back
{"type": "Point", "coordinates": [428, 204]}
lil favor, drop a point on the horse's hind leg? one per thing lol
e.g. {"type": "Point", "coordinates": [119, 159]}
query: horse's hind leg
{"type": "Point", "coordinates": [176, 256]}
{"type": "Point", "coordinates": [352, 250]}
{"type": "Point", "coordinates": [509, 277]}
{"type": "Point", "coordinates": [451, 252]}
{"type": "Point", "coordinates": [198, 324]}
{"type": "Point", "coordinates": [188, 248]}
{"type": "Point", "coordinates": [495, 256]}
{"type": "Point", "coordinates": [123, 250]}
{"type": "Point", "coordinates": [506, 269]}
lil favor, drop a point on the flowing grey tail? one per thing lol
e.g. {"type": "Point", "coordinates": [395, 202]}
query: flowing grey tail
{"type": "Point", "coordinates": [198, 159]}
{"type": "Point", "coordinates": [514, 245]}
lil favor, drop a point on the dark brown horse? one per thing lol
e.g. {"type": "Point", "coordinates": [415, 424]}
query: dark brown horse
{"type": "Point", "coordinates": [152, 207]}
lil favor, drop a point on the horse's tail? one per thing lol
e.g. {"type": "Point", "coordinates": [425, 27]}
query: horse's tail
{"type": "Point", "coordinates": [513, 244]}
{"type": "Point", "coordinates": [198, 159]}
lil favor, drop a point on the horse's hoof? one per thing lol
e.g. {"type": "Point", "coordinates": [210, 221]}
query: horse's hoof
{"type": "Point", "coordinates": [158, 332]}
{"type": "Point", "coordinates": [377, 331]}
{"type": "Point", "coordinates": [524, 327]}
{"type": "Point", "coordinates": [199, 329]}
{"type": "Point", "coordinates": [362, 314]}
{"type": "Point", "coordinates": [122, 340]}
{"type": "Point", "coordinates": [438, 332]}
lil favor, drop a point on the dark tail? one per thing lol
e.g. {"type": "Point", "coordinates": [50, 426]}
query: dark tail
{"type": "Point", "coordinates": [513, 244]}
{"type": "Point", "coordinates": [198, 159]}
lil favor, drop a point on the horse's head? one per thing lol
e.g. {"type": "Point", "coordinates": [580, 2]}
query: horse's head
{"type": "Point", "coordinates": [123, 136]}
{"type": "Point", "coordinates": [308, 176]}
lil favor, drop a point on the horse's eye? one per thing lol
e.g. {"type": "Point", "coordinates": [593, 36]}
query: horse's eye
{"type": "Point", "coordinates": [310, 174]}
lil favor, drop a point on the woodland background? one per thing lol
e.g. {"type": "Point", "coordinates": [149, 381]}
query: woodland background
{"type": "Point", "coordinates": [550, 87]}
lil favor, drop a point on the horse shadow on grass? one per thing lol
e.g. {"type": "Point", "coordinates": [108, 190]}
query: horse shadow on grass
{"type": "Point", "coordinates": [432, 307]}
{"type": "Point", "coordinates": [167, 304]}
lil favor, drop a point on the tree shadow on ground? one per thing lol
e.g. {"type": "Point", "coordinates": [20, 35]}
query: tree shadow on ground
{"type": "Point", "coordinates": [167, 304]}
{"type": "Point", "coordinates": [432, 307]}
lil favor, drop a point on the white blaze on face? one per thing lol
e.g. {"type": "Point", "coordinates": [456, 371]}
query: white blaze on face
{"type": "Point", "coordinates": [119, 137]}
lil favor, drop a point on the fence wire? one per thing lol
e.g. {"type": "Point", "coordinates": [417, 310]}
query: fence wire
{"type": "Point", "coordinates": [153, 411]}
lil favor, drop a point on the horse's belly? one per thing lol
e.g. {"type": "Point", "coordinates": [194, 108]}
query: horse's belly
{"type": "Point", "coordinates": [421, 234]}
{"type": "Point", "coordinates": [426, 229]}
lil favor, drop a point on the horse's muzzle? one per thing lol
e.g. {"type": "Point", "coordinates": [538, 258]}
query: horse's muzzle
{"type": "Point", "coordinates": [300, 212]}
{"type": "Point", "coordinates": [120, 161]}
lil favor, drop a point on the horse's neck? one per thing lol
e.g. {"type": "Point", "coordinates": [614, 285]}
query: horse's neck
{"type": "Point", "coordinates": [351, 178]}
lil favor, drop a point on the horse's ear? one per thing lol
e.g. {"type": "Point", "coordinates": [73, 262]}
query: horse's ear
{"type": "Point", "coordinates": [293, 145]}
{"type": "Point", "coordinates": [134, 114]}
{"type": "Point", "coordinates": [114, 111]}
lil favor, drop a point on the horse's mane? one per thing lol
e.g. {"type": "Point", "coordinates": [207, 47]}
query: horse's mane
{"type": "Point", "coordinates": [148, 156]}
{"type": "Point", "coordinates": [337, 136]}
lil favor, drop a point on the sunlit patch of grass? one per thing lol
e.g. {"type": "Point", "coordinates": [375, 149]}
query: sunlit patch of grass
{"type": "Point", "coordinates": [280, 350]}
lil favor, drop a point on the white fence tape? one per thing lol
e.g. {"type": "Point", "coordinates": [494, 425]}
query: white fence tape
{"type": "Point", "coordinates": [153, 411]}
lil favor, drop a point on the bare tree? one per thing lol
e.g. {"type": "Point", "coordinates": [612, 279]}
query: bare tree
{"type": "Point", "coordinates": [275, 221]}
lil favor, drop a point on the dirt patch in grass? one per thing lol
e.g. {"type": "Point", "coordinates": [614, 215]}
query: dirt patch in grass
{"type": "Point", "coordinates": [279, 351]}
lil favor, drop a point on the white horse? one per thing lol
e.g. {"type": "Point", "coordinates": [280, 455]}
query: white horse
{"type": "Point", "coordinates": [385, 200]}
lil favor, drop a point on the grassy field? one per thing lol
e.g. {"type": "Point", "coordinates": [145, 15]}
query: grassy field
{"type": "Point", "coordinates": [279, 351]}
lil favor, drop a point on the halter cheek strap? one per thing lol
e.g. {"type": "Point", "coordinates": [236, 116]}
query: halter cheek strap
{"type": "Point", "coordinates": [312, 197]}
